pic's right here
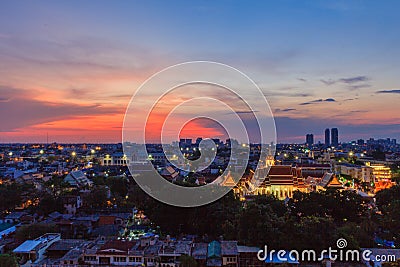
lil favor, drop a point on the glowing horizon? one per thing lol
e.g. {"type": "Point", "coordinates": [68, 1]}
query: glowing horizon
{"type": "Point", "coordinates": [67, 74]}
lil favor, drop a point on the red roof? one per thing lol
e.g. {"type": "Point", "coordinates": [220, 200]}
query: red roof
{"type": "Point", "coordinates": [106, 220]}
{"type": "Point", "coordinates": [280, 175]}
{"type": "Point", "coordinates": [314, 165]}
{"type": "Point", "coordinates": [64, 222]}
{"type": "Point", "coordinates": [121, 245]}
{"type": "Point", "coordinates": [280, 170]}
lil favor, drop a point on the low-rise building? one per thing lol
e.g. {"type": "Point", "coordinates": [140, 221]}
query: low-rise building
{"type": "Point", "coordinates": [78, 179]}
{"type": "Point", "coordinates": [32, 251]}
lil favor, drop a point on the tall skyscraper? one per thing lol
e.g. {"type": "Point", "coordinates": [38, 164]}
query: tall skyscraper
{"type": "Point", "coordinates": [335, 137]}
{"type": "Point", "coordinates": [327, 137]}
{"type": "Point", "coordinates": [309, 139]}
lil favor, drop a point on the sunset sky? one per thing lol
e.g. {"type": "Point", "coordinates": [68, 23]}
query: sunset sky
{"type": "Point", "coordinates": [69, 68]}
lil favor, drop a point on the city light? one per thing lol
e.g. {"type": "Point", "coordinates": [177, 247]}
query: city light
{"type": "Point", "coordinates": [100, 158]}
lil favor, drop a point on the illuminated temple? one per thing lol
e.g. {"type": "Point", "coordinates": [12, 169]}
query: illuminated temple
{"type": "Point", "coordinates": [282, 180]}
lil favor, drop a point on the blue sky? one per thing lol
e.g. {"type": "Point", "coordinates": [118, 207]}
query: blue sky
{"type": "Point", "coordinates": [90, 56]}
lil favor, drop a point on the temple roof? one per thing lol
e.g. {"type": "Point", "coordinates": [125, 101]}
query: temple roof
{"type": "Point", "coordinates": [330, 180]}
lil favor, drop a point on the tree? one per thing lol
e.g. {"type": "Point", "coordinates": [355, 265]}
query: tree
{"type": "Point", "coordinates": [10, 195]}
{"type": "Point", "coordinates": [312, 232]}
{"type": "Point", "coordinates": [385, 197]}
{"type": "Point", "coordinates": [209, 219]}
{"type": "Point", "coordinates": [342, 206]}
{"type": "Point", "coordinates": [391, 264]}
{"type": "Point", "coordinates": [56, 184]}
{"type": "Point", "coordinates": [388, 203]}
{"type": "Point", "coordinates": [97, 198]}
{"type": "Point", "coordinates": [7, 260]}
{"type": "Point", "coordinates": [33, 231]}
{"type": "Point", "coordinates": [117, 185]}
{"type": "Point", "coordinates": [99, 180]}
{"type": "Point", "coordinates": [187, 261]}
{"type": "Point", "coordinates": [259, 225]}
{"type": "Point", "coordinates": [48, 204]}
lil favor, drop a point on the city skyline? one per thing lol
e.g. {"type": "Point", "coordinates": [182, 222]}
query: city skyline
{"type": "Point", "coordinates": [69, 75]}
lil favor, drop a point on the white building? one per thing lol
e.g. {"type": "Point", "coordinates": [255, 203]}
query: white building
{"type": "Point", "coordinates": [32, 251]}
{"type": "Point", "coordinates": [78, 179]}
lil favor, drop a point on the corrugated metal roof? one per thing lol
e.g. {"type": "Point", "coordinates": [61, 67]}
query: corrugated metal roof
{"type": "Point", "coordinates": [27, 246]}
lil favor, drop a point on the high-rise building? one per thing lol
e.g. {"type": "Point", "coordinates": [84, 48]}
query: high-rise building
{"type": "Point", "coordinates": [327, 137]}
{"type": "Point", "coordinates": [335, 137]}
{"type": "Point", "coordinates": [198, 140]}
{"type": "Point", "coordinates": [185, 142]}
{"type": "Point", "coordinates": [309, 139]}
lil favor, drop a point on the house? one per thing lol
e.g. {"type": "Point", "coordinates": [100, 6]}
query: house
{"type": "Point", "coordinates": [115, 252]}
{"type": "Point", "coordinates": [199, 253]}
{"type": "Point", "coordinates": [62, 253]}
{"type": "Point", "coordinates": [329, 180]}
{"type": "Point", "coordinates": [71, 258]}
{"type": "Point", "coordinates": [34, 250]}
{"type": "Point", "coordinates": [107, 220]}
{"type": "Point", "coordinates": [275, 258]}
{"type": "Point", "coordinates": [314, 170]}
{"type": "Point", "coordinates": [88, 222]}
{"type": "Point", "coordinates": [120, 219]}
{"type": "Point", "coordinates": [77, 179]}
{"type": "Point", "coordinates": [214, 254]}
{"type": "Point", "coordinates": [378, 254]}
{"type": "Point", "coordinates": [55, 215]}
{"type": "Point", "coordinates": [279, 180]}
{"type": "Point", "coordinates": [112, 230]}
{"type": "Point", "coordinates": [122, 253]}
{"type": "Point", "coordinates": [71, 203]}
{"type": "Point", "coordinates": [150, 255]}
{"type": "Point", "coordinates": [248, 256]}
{"type": "Point", "coordinates": [222, 253]}
{"type": "Point", "coordinates": [14, 217]}
{"type": "Point", "coordinates": [170, 251]}
{"type": "Point", "coordinates": [61, 247]}
{"type": "Point", "coordinates": [27, 219]}
{"type": "Point", "coordinates": [229, 253]}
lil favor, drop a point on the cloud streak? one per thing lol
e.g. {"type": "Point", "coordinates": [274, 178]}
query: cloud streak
{"type": "Point", "coordinates": [317, 101]}
{"type": "Point", "coordinates": [20, 110]}
{"type": "Point", "coordinates": [284, 110]}
{"type": "Point", "coordinates": [348, 80]}
{"type": "Point", "coordinates": [394, 91]}
{"type": "Point", "coordinates": [355, 79]}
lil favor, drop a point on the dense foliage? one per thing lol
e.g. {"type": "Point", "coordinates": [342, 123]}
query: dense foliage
{"type": "Point", "coordinates": [33, 231]}
{"type": "Point", "coordinates": [7, 260]}
{"type": "Point", "coordinates": [308, 221]}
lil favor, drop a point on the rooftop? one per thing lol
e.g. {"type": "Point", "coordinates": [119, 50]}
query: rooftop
{"type": "Point", "coordinates": [27, 246]}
